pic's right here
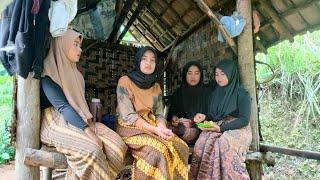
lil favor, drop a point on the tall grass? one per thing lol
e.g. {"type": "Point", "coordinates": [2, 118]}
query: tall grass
{"type": "Point", "coordinates": [297, 74]}
{"type": "Point", "coordinates": [289, 104]}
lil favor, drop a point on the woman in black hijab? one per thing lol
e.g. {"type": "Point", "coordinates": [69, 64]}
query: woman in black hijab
{"type": "Point", "coordinates": [157, 152]}
{"type": "Point", "coordinates": [187, 101]}
{"type": "Point", "coordinates": [220, 150]}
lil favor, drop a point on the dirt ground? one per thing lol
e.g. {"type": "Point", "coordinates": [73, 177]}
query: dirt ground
{"type": "Point", "coordinates": [7, 171]}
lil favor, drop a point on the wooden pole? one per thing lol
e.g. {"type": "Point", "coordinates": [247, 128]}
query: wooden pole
{"type": "Point", "coordinates": [34, 157]}
{"type": "Point", "coordinates": [47, 173]}
{"type": "Point", "coordinates": [290, 151]}
{"type": "Point", "coordinates": [204, 7]}
{"type": "Point", "coordinates": [28, 126]}
{"type": "Point", "coordinates": [247, 73]}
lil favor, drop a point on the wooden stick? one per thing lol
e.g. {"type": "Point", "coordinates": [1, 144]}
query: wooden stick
{"type": "Point", "coordinates": [204, 7]}
{"type": "Point", "coordinates": [290, 151]}
{"type": "Point", "coordinates": [34, 157]}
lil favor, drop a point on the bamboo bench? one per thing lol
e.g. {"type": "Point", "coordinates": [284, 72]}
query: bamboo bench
{"type": "Point", "coordinates": [48, 157]}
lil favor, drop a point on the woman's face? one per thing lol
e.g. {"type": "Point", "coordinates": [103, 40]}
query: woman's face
{"type": "Point", "coordinates": [148, 62]}
{"type": "Point", "coordinates": [193, 75]}
{"type": "Point", "coordinates": [221, 77]}
{"type": "Point", "coordinates": [75, 50]}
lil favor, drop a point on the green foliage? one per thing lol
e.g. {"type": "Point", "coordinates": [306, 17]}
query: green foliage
{"type": "Point", "coordinates": [6, 151]}
{"type": "Point", "coordinates": [289, 104]}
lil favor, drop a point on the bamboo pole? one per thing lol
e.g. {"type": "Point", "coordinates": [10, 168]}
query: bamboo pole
{"type": "Point", "coordinates": [28, 126]}
{"type": "Point", "coordinates": [290, 151]}
{"type": "Point", "coordinates": [204, 7]}
{"type": "Point", "coordinates": [247, 73]}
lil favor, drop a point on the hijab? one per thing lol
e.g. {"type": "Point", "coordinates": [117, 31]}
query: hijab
{"type": "Point", "coordinates": [64, 72]}
{"type": "Point", "coordinates": [189, 100]}
{"type": "Point", "coordinates": [143, 81]}
{"type": "Point", "coordinates": [224, 99]}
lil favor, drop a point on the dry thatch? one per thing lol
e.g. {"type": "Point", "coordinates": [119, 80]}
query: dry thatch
{"type": "Point", "coordinates": [160, 22]}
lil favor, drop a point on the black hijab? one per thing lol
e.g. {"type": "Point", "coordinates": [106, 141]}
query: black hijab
{"type": "Point", "coordinates": [143, 81]}
{"type": "Point", "coordinates": [189, 100]}
{"type": "Point", "coordinates": [224, 99]}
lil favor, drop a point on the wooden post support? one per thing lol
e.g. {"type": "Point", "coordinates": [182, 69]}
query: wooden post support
{"type": "Point", "coordinates": [28, 126]}
{"type": "Point", "coordinates": [34, 157]}
{"type": "Point", "coordinates": [204, 7]}
{"type": "Point", "coordinates": [248, 78]}
{"type": "Point", "coordinates": [47, 173]}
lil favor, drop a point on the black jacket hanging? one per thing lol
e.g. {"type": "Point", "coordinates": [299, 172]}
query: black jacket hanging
{"type": "Point", "coordinates": [29, 33]}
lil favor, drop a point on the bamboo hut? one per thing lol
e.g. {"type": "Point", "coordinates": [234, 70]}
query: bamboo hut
{"type": "Point", "coordinates": [181, 30]}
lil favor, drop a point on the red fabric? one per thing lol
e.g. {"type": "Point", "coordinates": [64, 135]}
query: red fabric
{"type": "Point", "coordinates": [36, 6]}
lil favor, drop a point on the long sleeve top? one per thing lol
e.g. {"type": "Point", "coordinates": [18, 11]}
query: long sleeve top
{"type": "Point", "coordinates": [242, 113]}
{"type": "Point", "coordinates": [132, 100]}
{"type": "Point", "coordinates": [54, 96]}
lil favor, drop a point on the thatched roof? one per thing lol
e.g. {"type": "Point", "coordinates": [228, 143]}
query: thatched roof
{"type": "Point", "coordinates": [161, 21]}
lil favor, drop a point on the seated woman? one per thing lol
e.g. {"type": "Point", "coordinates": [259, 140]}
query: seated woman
{"type": "Point", "coordinates": [187, 101]}
{"type": "Point", "coordinates": [157, 152]}
{"type": "Point", "coordinates": [93, 150]}
{"type": "Point", "coordinates": [220, 151]}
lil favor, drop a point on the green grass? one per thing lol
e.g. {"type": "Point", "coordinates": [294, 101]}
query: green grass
{"type": "Point", "coordinates": [6, 150]}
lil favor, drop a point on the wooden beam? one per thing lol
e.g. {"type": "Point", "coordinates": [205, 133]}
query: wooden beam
{"type": "Point", "coordinates": [293, 5]}
{"type": "Point", "coordinates": [28, 125]}
{"type": "Point", "coordinates": [143, 35]}
{"type": "Point", "coordinates": [145, 26]}
{"type": "Point", "coordinates": [279, 25]}
{"type": "Point", "coordinates": [204, 7]}
{"type": "Point", "coordinates": [34, 157]}
{"type": "Point", "coordinates": [203, 19]}
{"type": "Point", "coordinates": [288, 12]}
{"type": "Point", "coordinates": [141, 5]}
{"type": "Point", "coordinates": [248, 79]}
{"type": "Point", "coordinates": [164, 24]}
{"type": "Point", "coordinates": [168, 59]}
{"type": "Point", "coordinates": [118, 7]}
{"type": "Point", "coordinates": [261, 157]}
{"type": "Point", "coordinates": [118, 22]}
{"type": "Point", "coordinates": [176, 13]}
{"type": "Point", "coordinates": [165, 9]}
{"type": "Point", "coordinates": [290, 151]}
{"type": "Point", "coordinates": [189, 31]}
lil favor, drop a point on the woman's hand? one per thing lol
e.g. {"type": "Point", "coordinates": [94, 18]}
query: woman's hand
{"type": "Point", "coordinates": [175, 121]}
{"type": "Point", "coordinates": [199, 117]}
{"type": "Point", "coordinates": [90, 132]}
{"type": "Point", "coordinates": [186, 122]}
{"type": "Point", "coordinates": [215, 128]}
{"type": "Point", "coordinates": [163, 132]}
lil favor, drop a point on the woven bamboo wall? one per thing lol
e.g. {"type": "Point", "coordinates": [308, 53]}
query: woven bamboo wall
{"type": "Point", "coordinates": [101, 67]}
{"type": "Point", "coordinates": [201, 46]}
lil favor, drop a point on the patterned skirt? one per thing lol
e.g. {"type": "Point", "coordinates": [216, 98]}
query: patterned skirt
{"type": "Point", "coordinates": [86, 160]}
{"type": "Point", "coordinates": [155, 158]}
{"type": "Point", "coordinates": [221, 155]}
